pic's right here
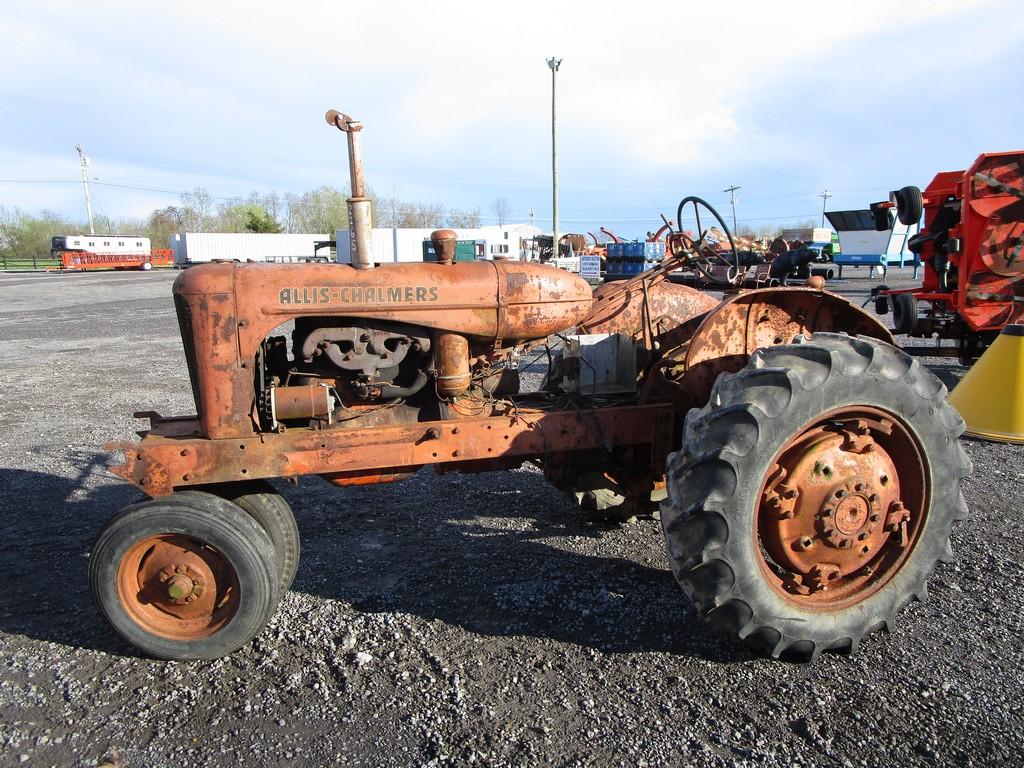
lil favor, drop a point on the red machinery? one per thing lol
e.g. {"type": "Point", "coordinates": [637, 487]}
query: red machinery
{"type": "Point", "coordinates": [83, 260]}
{"type": "Point", "coordinates": [971, 248]}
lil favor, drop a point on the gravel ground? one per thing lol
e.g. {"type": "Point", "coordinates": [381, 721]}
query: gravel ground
{"type": "Point", "coordinates": [448, 620]}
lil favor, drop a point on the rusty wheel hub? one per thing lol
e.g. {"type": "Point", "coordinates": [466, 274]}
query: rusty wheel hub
{"type": "Point", "coordinates": [842, 507]}
{"type": "Point", "coordinates": [177, 587]}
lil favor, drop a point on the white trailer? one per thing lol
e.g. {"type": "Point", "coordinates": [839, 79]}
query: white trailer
{"type": "Point", "coordinates": [201, 247]}
{"type": "Point", "coordinates": [393, 244]}
{"type": "Point", "coordinates": [101, 244]}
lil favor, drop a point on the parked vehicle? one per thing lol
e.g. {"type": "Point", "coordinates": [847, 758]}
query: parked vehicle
{"type": "Point", "coordinates": [201, 247]}
{"type": "Point", "coordinates": [84, 252]}
{"type": "Point", "coordinates": [808, 480]}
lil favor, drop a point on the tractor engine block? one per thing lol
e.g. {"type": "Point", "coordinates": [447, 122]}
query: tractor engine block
{"type": "Point", "coordinates": [374, 351]}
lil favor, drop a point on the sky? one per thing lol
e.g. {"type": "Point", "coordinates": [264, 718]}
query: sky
{"type": "Point", "coordinates": [656, 101]}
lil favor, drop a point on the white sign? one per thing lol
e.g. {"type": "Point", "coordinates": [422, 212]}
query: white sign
{"type": "Point", "coordinates": [590, 266]}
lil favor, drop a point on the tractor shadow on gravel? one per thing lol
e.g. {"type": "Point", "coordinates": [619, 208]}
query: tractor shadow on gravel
{"type": "Point", "coordinates": [498, 555]}
{"type": "Point", "coordinates": [48, 528]}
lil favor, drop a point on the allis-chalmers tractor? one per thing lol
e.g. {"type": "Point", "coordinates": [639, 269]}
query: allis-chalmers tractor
{"type": "Point", "coordinates": [809, 471]}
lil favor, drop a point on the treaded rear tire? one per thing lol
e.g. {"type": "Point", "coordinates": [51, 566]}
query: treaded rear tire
{"type": "Point", "coordinates": [715, 482]}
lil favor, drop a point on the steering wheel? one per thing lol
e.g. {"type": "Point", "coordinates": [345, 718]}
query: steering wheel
{"type": "Point", "coordinates": [704, 256]}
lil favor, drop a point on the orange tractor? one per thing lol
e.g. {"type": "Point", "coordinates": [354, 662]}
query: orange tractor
{"type": "Point", "coordinates": [807, 479]}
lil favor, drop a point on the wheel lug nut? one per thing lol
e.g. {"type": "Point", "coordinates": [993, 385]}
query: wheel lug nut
{"type": "Point", "coordinates": [862, 536]}
{"type": "Point", "coordinates": [803, 543]}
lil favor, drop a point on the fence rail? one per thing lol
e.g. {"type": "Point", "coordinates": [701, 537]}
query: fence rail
{"type": "Point", "coordinates": [9, 264]}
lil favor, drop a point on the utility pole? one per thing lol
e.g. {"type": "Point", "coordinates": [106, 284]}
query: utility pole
{"type": "Point", "coordinates": [824, 199]}
{"type": "Point", "coordinates": [553, 65]}
{"type": "Point", "coordinates": [732, 199]}
{"type": "Point", "coordinates": [84, 162]}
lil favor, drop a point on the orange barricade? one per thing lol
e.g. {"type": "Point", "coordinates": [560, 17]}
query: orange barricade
{"type": "Point", "coordinates": [82, 260]}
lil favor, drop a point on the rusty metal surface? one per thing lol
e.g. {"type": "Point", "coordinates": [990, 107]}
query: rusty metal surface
{"type": "Point", "coordinates": [654, 308]}
{"type": "Point", "coordinates": [231, 308]}
{"type": "Point", "coordinates": [162, 462]}
{"type": "Point", "coordinates": [452, 361]}
{"type": "Point", "coordinates": [359, 215]}
{"type": "Point", "coordinates": [444, 241]}
{"type": "Point", "coordinates": [843, 505]}
{"type": "Point", "coordinates": [174, 586]}
{"type": "Point", "coordinates": [309, 401]}
{"type": "Point", "coordinates": [761, 318]}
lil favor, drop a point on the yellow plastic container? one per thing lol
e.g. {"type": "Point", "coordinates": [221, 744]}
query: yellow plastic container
{"type": "Point", "coordinates": [991, 396]}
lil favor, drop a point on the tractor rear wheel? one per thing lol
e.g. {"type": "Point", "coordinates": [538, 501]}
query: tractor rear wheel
{"type": "Point", "coordinates": [191, 576]}
{"type": "Point", "coordinates": [815, 493]}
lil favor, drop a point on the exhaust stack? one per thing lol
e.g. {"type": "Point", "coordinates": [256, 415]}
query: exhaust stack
{"type": "Point", "coordinates": [358, 203]}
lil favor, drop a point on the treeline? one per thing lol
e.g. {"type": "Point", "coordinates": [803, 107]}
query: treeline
{"type": "Point", "coordinates": [24, 235]}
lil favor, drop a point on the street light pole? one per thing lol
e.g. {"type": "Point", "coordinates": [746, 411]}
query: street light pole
{"type": "Point", "coordinates": [84, 162]}
{"type": "Point", "coordinates": [824, 199]}
{"type": "Point", "coordinates": [732, 199]}
{"type": "Point", "coordinates": [554, 64]}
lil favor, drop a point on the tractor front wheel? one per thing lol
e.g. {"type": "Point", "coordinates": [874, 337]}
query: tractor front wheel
{"type": "Point", "coordinates": [815, 493]}
{"type": "Point", "coordinates": [268, 508]}
{"type": "Point", "coordinates": [191, 576]}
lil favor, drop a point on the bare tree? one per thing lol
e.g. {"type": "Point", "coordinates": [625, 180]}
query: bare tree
{"type": "Point", "coordinates": [322, 210]}
{"type": "Point", "coordinates": [464, 219]}
{"type": "Point", "coordinates": [196, 210]}
{"type": "Point", "coordinates": [502, 210]}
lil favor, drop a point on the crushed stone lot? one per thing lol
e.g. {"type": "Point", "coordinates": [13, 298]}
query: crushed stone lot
{"type": "Point", "coordinates": [447, 620]}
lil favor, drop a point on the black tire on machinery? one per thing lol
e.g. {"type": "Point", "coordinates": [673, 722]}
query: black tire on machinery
{"type": "Point", "coordinates": [714, 484]}
{"type": "Point", "coordinates": [274, 514]}
{"type": "Point", "coordinates": [909, 205]}
{"type": "Point", "coordinates": [904, 312]}
{"type": "Point", "coordinates": [216, 521]}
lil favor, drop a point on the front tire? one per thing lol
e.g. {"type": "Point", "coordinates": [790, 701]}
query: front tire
{"type": "Point", "coordinates": [274, 514]}
{"type": "Point", "coordinates": [815, 493]}
{"type": "Point", "coordinates": [191, 576]}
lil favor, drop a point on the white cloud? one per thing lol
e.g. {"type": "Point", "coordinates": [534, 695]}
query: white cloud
{"type": "Point", "coordinates": [455, 96]}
